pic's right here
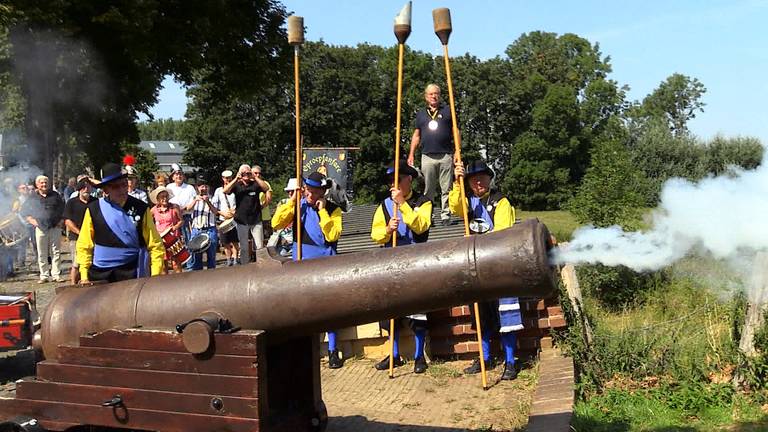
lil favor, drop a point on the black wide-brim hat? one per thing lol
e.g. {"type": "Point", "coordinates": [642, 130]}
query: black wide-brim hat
{"type": "Point", "coordinates": [477, 167]}
{"type": "Point", "coordinates": [318, 180]}
{"type": "Point", "coordinates": [109, 173]}
{"type": "Point", "coordinates": [405, 169]}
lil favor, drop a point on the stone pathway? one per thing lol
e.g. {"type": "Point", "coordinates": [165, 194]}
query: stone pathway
{"type": "Point", "coordinates": [360, 398]}
{"type": "Point", "coordinates": [552, 406]}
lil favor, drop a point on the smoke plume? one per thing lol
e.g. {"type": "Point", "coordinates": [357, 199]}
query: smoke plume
{"type": "Point", "coordinates": [718, 217]}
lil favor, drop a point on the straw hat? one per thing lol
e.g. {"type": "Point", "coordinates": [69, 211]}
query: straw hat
{"type": "Point", "coordinates": [156, 191]}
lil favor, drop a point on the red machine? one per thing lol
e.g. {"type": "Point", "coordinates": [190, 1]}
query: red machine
{"type": "Point", "coordinates": [17, 314]}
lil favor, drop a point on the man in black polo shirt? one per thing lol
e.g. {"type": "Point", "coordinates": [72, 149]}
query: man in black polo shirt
{"type": "Point", "coordinates": [246, 188]}
{"type": "Point", "coordinates": [433, 132]}
{"type": "Point", "coordinates": [74, 212]}
{"type": "Point", "coordinates": [43, 211]}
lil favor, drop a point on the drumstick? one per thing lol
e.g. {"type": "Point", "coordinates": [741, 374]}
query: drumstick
{"type": "Point", "coordinates": [13, 322]}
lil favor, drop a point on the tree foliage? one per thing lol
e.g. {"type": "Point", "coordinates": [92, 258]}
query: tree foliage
{"type": "Point", "coordinates": [163, 129]}
{"type": "Point", "coordinates": [676, 100]}
{"type": "Point", "coordinates": [87, 68]}
{"type": "Point", "coordinates": [564, 99]}
{"type": "Point", "coordinates": [609, 195]}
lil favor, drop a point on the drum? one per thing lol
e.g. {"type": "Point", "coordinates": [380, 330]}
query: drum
{"type": "Point", "coordinates": [12, 230]}
{"type": "Point", "coordinates": [226, 226]}
{"type": "Point", "coordinates": [199, 243]}
{"type": "Point", "coordinates": [174, 247]}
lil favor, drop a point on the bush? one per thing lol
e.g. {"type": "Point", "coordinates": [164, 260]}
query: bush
{"type": "Point", "coordinates": [617, 288]}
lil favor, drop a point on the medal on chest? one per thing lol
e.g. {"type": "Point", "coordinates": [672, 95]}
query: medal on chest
{"type": "Point", "coordinates": [432, 125]}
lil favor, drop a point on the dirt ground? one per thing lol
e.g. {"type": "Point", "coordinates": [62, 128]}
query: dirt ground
{"type": "Point", "coordinates": [358, 397]}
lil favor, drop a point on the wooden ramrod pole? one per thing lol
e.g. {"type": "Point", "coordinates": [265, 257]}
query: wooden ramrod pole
{"type": "Point", "coordinates": [296, 38]}
{"type": "Point", "coordinates": [442, 21]}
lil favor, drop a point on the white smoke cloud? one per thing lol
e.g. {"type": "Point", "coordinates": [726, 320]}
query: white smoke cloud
{"type": "Point", "coordinates": [721, 217]}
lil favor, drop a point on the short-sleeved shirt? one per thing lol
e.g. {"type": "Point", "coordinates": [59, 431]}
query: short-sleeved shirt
{"type": "Point", "coordinates": [223, 203]}
{"type": "Point", "coordinates": [74, 210]}
{"type": "Point", "coordinates": [182, 195]}
{"type": "Point", "coordinates": [437, 140]}
{"type": "Point", "coordinates": [47, 210]}
{"type": "Point", "coordinates": [248, 211]}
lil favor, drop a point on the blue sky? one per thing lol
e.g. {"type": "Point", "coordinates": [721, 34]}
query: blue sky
{"type": "Point", "coordinates": [722, 43]}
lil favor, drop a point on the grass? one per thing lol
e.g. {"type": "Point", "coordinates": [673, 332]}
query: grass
{"type": "Point", "coordinates": [665, 363]}
{"type": "Point", "coordinates": [629, 411]}
{"type": "Point", "coordinates": [560, 223]}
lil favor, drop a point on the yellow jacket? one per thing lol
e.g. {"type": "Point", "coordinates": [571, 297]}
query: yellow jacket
{"type": "Point", "coordinates": [155, 245]}
{"type": "Point", "coordinates": [418, 220]}
{"type": "Point", "coordinates": [503, 218]}
{"type": "Point", "coordinates": [330, 224]}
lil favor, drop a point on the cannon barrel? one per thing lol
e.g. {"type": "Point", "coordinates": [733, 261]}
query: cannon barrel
{"type": "Point", "coordinates": [300, 298]}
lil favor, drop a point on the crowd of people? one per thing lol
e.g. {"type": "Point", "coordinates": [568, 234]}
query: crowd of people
{"type": "Point", "coordinates": [117, 231]}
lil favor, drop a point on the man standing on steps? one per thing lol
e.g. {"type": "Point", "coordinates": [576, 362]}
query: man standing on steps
{"type": "Point", "coordinates": [434, 127]}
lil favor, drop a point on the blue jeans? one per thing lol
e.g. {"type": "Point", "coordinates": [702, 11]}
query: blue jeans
{"type": "Point", "coordinates": [186, 233]}
{"type": "Point", "coordinates": [197, 259]}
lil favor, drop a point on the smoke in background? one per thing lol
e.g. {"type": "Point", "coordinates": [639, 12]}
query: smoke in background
{"type": "Point", "coordinates": [9, 182]}
{"type": "Point", "coordinates": [720, 217]}
{"type": "Point", "coordinates": [61, 79]}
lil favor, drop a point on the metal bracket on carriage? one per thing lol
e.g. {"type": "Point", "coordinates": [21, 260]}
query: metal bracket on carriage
{"type": "Point", "coordinates": [197, 334]}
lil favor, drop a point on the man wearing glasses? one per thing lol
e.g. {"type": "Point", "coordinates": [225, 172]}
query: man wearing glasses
{"type": "Point", "coordinates": [247, 188]}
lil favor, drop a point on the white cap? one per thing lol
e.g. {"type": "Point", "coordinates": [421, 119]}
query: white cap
{"type": "Point", "coordinates": [226, 173]}
{"type": "Point", "coordinates": [292, 185]}
{"type": "Point", "coordinates": [175, 168]}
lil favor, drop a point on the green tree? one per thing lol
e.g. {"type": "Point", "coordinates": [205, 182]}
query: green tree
{"type": "Point", "coordinates": [163, 129]}
{"type": "Point", "coordinates": [347, 100]}
{"type": "Point", "coordinates": [676, 100]}
{"type": "Point", "coordinates": [722, 152]}
{"type": "Point", "coordinates": [560, 100]}
{"type": "Point", "coordinates": [146, 163]}
{"type": "Point", "coordinates": [608, 195]}
{"type": "Point", "coordinates": [87, 68]}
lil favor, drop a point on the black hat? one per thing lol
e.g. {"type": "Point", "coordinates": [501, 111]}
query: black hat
{"type": "Point", "coordinates": [317, 180]}
{"type": "Point", "coordinates": [109, 173]}
{"type": "Point", "coordinates": [477, 167]}
{"type": "Point", "coordinates": [405, 169]}
{"type": "Point", "coordinates": [201, 180]}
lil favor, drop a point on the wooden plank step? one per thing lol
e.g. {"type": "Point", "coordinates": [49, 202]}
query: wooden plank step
{"type": "Point", "coordinates": [137, 399]}
{"type": "Point", "coordinates": [225, 385]}
{"type": "Point", "coordinates": [159, 360]}
{"type": "Point", "coordinates": [243, 343]}
{"type": "Point", "coordinates": [50, 413]}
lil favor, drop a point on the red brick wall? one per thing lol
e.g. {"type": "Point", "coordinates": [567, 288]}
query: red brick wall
{"type": "Point", "coordinates": [451, 334]}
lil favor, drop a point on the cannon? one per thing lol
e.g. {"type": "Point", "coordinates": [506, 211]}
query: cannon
{"type": "Point", "coordinates": [236, 349]}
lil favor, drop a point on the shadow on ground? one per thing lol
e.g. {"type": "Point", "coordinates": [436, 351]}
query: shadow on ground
{"type": "Point", "coordinates": [17, 365]}
{"type": "Point", "coordinates": [358, 423]}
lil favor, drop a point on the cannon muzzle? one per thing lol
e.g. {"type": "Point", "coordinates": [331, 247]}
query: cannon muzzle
{"type": "Point", "coordinates": [299, 298]}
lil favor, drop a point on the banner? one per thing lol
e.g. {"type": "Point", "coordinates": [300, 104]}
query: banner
{"type": "Point", "coordinates": [332, 162]}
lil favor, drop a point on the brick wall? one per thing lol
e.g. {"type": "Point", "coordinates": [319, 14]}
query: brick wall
{"type": "Point", "coordinates": [452, 336]}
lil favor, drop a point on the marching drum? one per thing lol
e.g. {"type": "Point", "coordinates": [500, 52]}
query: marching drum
{"type": "Point", "coordinates": [12, 230]}
{"type": "Point", "coordinates": [199, 243]}
{"type": "Point", "coordinates": [174, 247]}
{"type": "Point", "coordinates": [226, 226]}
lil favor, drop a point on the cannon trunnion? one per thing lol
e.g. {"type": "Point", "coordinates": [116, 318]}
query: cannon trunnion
{"type": "Point", "coordinates": [168, 354]}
